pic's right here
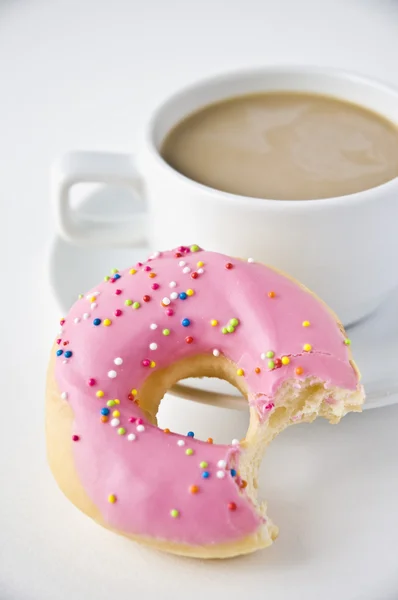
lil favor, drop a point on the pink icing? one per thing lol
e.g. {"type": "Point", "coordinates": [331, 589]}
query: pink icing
{"type": "Point", "coordinates": [152, 475]}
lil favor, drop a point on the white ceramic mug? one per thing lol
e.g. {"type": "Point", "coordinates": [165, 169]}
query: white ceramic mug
{"type": "Point", "coordinates": [344, 248]}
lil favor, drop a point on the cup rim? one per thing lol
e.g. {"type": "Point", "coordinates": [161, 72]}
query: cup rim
{"type": "Point", "coordinates": [354, 198]}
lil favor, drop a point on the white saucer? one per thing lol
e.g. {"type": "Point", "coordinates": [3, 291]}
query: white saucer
{"type": "Point", "coordinates": [73, 270]}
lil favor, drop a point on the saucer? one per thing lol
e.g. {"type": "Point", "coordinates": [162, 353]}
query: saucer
{"type": "Point", "coordinates": [74, 269]}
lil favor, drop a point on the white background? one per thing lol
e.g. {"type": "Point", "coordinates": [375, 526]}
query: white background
{"type": "Point", "coordinates": [86, 74]}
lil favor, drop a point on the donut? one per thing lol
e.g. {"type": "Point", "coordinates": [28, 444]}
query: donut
{"type": "Point", "coordinates": [186, 313]}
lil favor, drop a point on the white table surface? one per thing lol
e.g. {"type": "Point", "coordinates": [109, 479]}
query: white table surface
{"type": "Point", "coordinates": [86, 74]}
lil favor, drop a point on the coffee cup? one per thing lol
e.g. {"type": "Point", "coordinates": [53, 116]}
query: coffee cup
{"type": "Point", "coordinates": [344, 248]}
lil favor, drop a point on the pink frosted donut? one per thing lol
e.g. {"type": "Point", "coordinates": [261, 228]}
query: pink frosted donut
{"type": "Point", "coordinates": [187, 313]}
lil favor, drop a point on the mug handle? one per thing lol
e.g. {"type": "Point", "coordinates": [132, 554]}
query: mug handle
{"type": "Point", "coordinates": [96, 167]}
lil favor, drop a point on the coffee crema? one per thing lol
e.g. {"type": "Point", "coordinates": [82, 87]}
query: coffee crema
{"type": "Point", "coordinates": [284, 146]}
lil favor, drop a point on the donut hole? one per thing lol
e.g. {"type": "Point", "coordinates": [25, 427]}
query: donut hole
{"type": "Point", "coordinates": [220, 424]}
{"type": "Point", "coordinates": [181, 416]}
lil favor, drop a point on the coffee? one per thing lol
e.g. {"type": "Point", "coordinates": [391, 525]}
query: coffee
{"type": "Point", "coordinates": [284, 146]}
